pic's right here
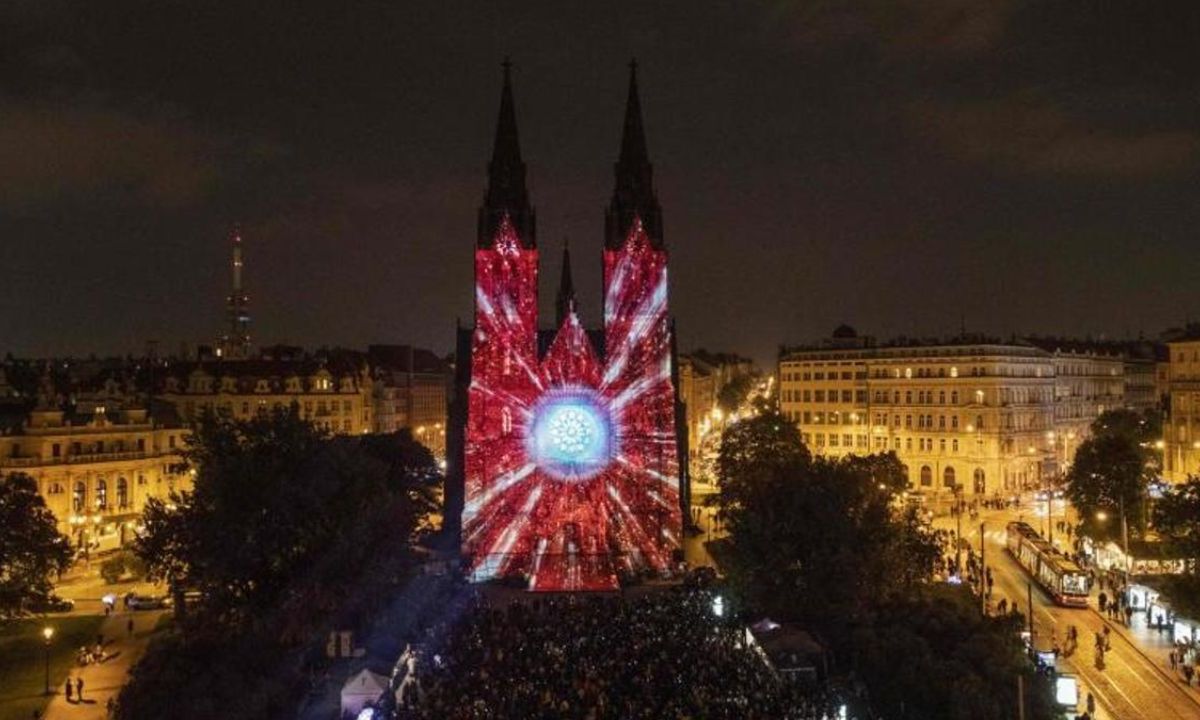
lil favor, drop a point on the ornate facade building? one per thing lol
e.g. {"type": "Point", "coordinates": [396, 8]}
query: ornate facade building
{"type": "Point", "coordinates": [97, 455]}
{"type": "Point", "coordinates": [989, 416]}
{"type": "Point", "coordinates": [565, 446]}
{"type": "Point", "coordinates": [336, 394]}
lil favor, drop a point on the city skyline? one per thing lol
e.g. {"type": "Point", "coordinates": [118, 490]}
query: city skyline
{"type": "Point", "coordinates": [963, 170]}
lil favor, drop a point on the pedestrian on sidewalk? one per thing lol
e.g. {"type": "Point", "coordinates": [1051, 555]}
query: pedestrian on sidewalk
{"type": "Point", "coordinates": [1128, 616]}
{"type": "Point", "coordinates": [67, 692]}
{"type": "Point", "coordinates": [1173, 660]}
{"type": "Point", "coordinates": [1091, 704]}
{"type": "Point", "coordinates": [129, 627]}
{"type": "Point", "coordinates": [1188, 671]}
{"type": "Point", "coordinates": [79, 689]}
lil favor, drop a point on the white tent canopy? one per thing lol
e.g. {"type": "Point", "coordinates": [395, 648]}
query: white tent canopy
{"type": "Point", "coordinates": [360, 689]}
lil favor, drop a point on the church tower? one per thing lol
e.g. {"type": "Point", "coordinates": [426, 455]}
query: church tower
{"type": "Point", "coordinates": [633, 196]}
{"type": "Point", "coordinates": [506, 193]}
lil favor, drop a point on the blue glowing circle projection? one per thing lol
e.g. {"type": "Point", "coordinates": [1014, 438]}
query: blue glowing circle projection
{"type": "Point", "coordinates": [571, 434]}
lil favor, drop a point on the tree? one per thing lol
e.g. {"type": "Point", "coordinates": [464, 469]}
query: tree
{"type": "Point", "coordinates": [816, 539]}
{"type": "Point", "coordinates": [278, 510]}
{"type": "Point", "coordinates": [281, 522]}
{"type": "Point", "coordinates": [734, 393]}
{"type": "Point", "coordinates": [937, 657]}
{"type": "Point", "coordinates": [1177, 518]}
{"type": "Point", "coordinates": [31, 548]}
{"type": "Point", "coordinates": [1109, 474]}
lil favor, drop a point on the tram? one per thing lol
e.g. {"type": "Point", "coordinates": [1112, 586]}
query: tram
{"type": "Point", "coordinates": [1055, 572]}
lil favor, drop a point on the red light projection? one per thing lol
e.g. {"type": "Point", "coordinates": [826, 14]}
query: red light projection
{"type": "Point", "coordinates": [571, 461]}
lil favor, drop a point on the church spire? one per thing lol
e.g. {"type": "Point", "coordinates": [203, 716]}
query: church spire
{"type": "Point", "coordinates": [633, 195]}
{"type": "Point", "coordinates": [564, 304]}
{"type": "Point", "coordinates": [506, 191]}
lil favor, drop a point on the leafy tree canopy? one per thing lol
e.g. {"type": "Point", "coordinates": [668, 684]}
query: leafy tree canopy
{"type": "Point", "coordinates": [31, 548]}
{"type": "Point", "coordinates": [735, 392]}
{"type": "Point", "coordinates": [816, 538]}
{"type": "Point", "coordinates": [1111, 471]}
{"type": "Point", "coordinates": [1177, 518]}
{"type": "Point", "coordinates": [278, 509]}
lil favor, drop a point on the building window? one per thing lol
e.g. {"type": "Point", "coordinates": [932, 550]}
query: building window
{"type": "Point", "coordinates": [833, 439]}
{"type": "Point", "coordinates": [941, 422]}
{"type": "Point", "coordinates": [79, 497]}
{"type": "Point", "coordinates": [101, 495]}
{"type": "Point", "coordinates": [953, 372]}
{"type": "Point", "coordinates": [980, 482]}
{"type": "Point", "coordinates": [908, 397]}
{"type": "Point", "coordinates": [908, 444]}
{"type": "Point", "coordinates": [942, 397]}
{"type": "Point", "coordinates": [953, 422]}
{"type": "Point", "coordinates": [847, 441]}
{"type": "Point", "coordinates": [953, 397]}
{"type": "Point", "coordinates": [954, 445]}
{"type": "Point", "coordinates": [948, 477]}
{"type": "Point", "coordinates": [926, 476]}
{"type": "Point", "coordinates": [122, 493]}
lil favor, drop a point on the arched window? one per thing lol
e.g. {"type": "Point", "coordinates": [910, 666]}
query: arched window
{"type": "Point", "coordinates": [101, 495]}
{"type": "Point", "coordinates": [122, 493]}
{"type": "Point", "coordinates": [926, 475]}
{"type": "Point", "coordinates": [948, 477]}
{"type": "Point", "coordinates": [79, 497]}
{"type": "Point", "coordinates": [980, 482]}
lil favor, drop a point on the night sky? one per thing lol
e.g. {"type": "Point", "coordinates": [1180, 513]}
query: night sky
{"type": "Point", "coordinates": [905, 166]}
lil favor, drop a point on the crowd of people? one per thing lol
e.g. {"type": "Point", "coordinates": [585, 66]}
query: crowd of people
{"type": "Point", "coordinates": [664, 655]}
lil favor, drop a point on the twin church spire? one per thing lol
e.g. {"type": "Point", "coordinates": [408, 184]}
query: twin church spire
{"type": "Point", "coordinates": [633, 192]}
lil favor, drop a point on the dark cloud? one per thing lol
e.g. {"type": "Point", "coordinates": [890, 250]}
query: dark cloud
{"type": "Point", "coordinates": [901, 165]}
{"type": "Point", "coordinates": [1026, 134]}
{"type": "Point", "coordinates": [55, 152]}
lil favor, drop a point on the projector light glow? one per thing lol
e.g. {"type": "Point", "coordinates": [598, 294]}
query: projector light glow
{"type": "Point", "coordinates": [571, 438]}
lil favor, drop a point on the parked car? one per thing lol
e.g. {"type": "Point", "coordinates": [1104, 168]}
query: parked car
{"type": "Point", "coordinates": [147, 602]}
{"type": "Point", "coordinates": [52, 604]}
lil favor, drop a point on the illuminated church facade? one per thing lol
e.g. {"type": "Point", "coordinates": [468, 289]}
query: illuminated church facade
{"type": "Point", "coordinates": [565, 445]}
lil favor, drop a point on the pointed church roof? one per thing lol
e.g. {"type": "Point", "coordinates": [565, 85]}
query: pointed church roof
{"type": "Point", "coordinates": [565, 302]}
{"type": "Point", "coordinates": [633, 195]}
{"type": "Point", "coordinates": [633, 138]}
{"type": "Point", "coordinates": [506, 191]}
{"type": "Point", "coordinates": [506, 149]}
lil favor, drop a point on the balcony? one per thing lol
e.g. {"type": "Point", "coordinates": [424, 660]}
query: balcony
{"type": "Point", "coordinates": [81, 458]}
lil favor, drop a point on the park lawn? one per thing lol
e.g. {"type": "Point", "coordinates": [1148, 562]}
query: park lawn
{"type": "Point", "coordinates": [22, 660]}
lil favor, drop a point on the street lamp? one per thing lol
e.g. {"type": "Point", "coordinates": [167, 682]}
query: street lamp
{"type": "Point", "coordinates": [47, 634]}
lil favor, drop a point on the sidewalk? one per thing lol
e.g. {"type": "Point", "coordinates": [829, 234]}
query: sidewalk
{"type": "Point", "coordinates": [100, 682]}
{"type": "Point", "coordinates": [1154, 645]}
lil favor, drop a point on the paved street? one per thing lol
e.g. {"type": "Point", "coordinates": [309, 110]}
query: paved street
{"type": "Point", "coordinates": [104, 680]}
{"type": "Point", "coordinates": [1135, 683]}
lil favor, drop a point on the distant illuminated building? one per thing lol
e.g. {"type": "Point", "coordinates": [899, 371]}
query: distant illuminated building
{"type": "Point", "coordinates": [984, 415]}
{"type": "Point", "coordinates": [1181, 426]}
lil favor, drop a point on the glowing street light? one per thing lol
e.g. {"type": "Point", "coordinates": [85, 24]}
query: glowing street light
{"type": "Point", "coordinates": [47, 635]}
